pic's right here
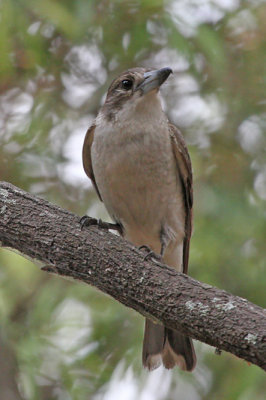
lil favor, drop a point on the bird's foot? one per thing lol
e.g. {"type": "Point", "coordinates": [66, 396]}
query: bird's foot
{"type": "Point", "coordinates": [88, 221]}
{"type": "Point", "coordinates": [150, 254]}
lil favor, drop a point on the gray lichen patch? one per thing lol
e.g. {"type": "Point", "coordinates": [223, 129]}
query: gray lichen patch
{"type": "Point", "coordinates": [3, 209]}
{"type": "Point", "coordinates": [4, 194]}
{"type": "Point", "coordinates": [223, 306]}
{"type": "Point", "coordinates": [190, 305]}
{"type": "Point", "coordinates": [251, 338]}
{"type": "Point", "coordinates": [202, 308]}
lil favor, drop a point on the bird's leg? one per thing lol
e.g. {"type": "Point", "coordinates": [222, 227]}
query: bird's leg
{"type": "Point", "coordinates": [88, 221]}
{"type": "Point", "coordinates": [164, 244]}
{"type": "Point", "coordinates": [151, 254]}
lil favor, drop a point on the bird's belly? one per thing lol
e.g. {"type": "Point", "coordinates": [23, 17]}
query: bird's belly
{"type": "Point", "coordinates": [134, 198]}
{"type": "Point", "coordinates": [138, 189]}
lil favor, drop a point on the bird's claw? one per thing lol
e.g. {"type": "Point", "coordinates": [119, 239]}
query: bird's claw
{"type": "Point", "coordinates": [150, 254]}
{"type": "Point", "coordinates": [88, 221]}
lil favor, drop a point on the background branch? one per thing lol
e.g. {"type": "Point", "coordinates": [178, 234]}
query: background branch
{"type": "Point", "coordinates": [52, 236]}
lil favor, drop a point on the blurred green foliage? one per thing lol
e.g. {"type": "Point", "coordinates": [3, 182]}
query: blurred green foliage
{"type": "Point", "coordinates": [64, 340]}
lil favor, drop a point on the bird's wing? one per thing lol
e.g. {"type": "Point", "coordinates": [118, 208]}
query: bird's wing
{"type": "Point", "coordinates": [86, 157]}
{"type": "Point", "coordinates": [184, 167]}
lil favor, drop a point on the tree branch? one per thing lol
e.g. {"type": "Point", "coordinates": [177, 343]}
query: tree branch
{"type": "Point", "coordinates": [52, 236]}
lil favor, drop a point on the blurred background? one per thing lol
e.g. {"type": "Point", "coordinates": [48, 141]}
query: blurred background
{"type": "Point", "coordinates": [65, 340]}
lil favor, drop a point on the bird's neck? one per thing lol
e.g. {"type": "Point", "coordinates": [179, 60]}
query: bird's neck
{"type": "Point", "coordinates": [144, 116]}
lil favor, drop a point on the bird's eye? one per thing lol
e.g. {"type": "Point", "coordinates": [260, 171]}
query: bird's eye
{"type": "Point", "coordinates": [127, 84]}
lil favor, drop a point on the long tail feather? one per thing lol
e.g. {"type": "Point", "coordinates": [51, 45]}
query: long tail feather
{"type": "Point", "coordinates": [163, 345]}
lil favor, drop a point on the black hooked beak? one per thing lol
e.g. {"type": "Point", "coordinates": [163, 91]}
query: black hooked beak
{"type": "Point", "coordinates": [153, 79]}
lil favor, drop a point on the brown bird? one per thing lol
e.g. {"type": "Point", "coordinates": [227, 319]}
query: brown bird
{"type": "Point", "coordinates": [140, 167]}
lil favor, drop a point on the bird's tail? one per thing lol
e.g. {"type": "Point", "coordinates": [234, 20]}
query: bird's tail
{"type": "Point", "coordinates": [163, 345]}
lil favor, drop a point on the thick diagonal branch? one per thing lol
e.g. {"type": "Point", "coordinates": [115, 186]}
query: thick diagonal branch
{"type": "Point", "coordinates": [52, 236]}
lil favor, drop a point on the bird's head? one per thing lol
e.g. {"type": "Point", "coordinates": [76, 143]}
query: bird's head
{"type": "Point", "coordinates": [133, 88]}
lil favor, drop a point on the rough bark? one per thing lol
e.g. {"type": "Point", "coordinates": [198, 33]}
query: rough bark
{"type": "Point", "coordinates": [52, 236]}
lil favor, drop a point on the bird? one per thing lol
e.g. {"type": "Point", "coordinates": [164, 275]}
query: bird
{"type": "Point", "coordinates": [140, 167]}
